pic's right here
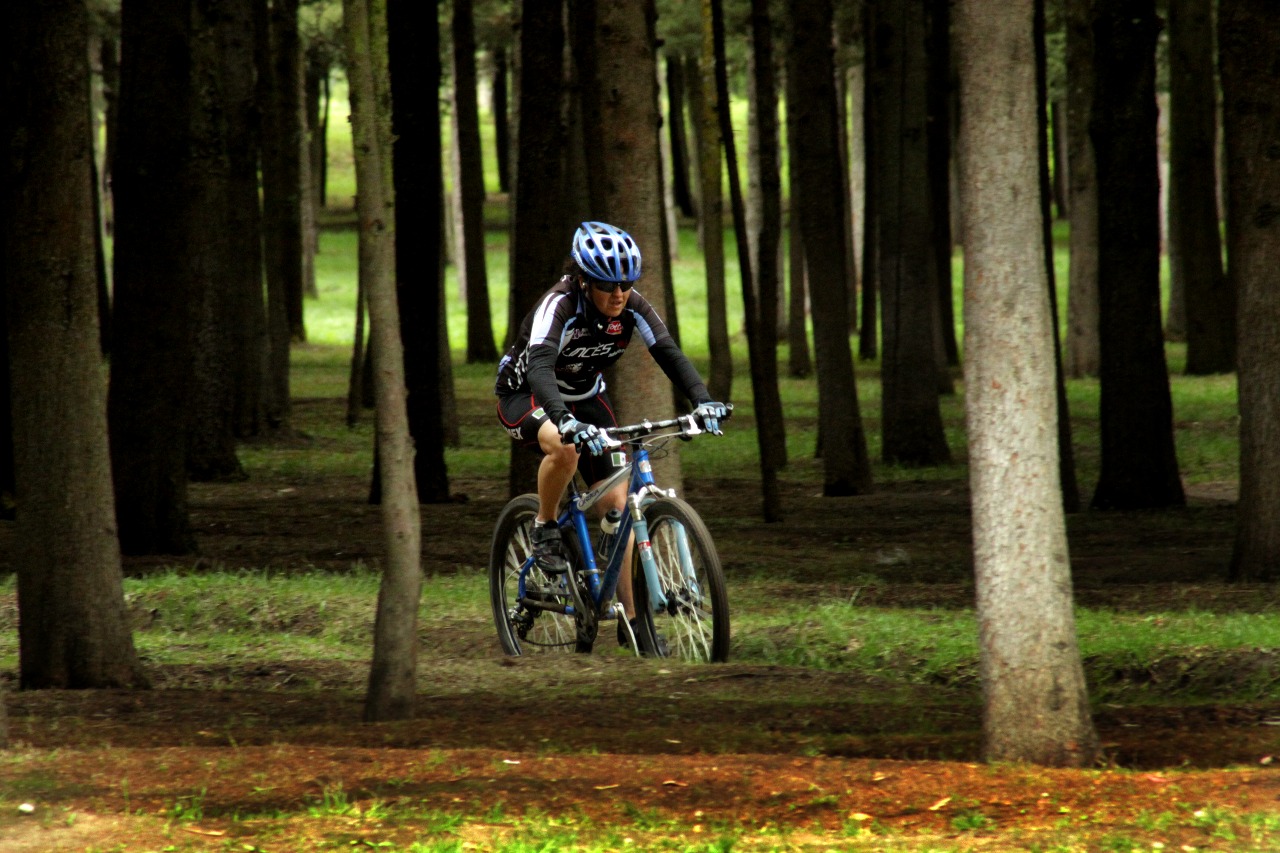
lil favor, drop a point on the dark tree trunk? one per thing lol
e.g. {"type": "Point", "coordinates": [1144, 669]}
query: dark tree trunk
{"type": "Point", "coordinates": [676, 85]}
{"type": "Point", "coordinates": [911, 419]}
{"type": "Point", "coordinates": [242, 279]}
{"type": "Point", "coordinates": [73, 628]}
{"type": "Point", "coordinates": [152, 358]}
{"type": "Point", "coordinates": [1066, 454]}
{"type": "Point", "coordinates": [501, 122]}
{"type": "Point", "coordinates": [1195, 245]}
{"type": "Point", "coordinates": [706, 113]}
{"type": "Point", "coordinates": [470, 191]}
{"type": "Point", "coordinates": [319, 66]}
{"type": "Point", "coordinates": [541, 225]}
{"type": "Point", "coordinates": [281, 229]}
{"type": "Point", "coordinates": [211, 447]}
{"type": "Point", "coordinates": [869, 331]}
{"type": "Point", "coordinates": [940, 95]}
{"type": "Point", "coordinates": [1139, 465]}
{"type": "Point", "coordinates": [282, 159]}
{"type": "Point", "coordinates": [799, 362]}
{"type": "Point", "coordinates": [415, 85]}
{"type": "Point", "coordinates": [1082, 290]}
{"type": "Point", "coordinates": [1249, 41]}
{"type": "Point", "coordinates": [846, 467]}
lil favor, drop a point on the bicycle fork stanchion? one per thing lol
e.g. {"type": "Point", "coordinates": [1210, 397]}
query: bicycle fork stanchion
{"type": "Point", "coordinates": [657, 601]}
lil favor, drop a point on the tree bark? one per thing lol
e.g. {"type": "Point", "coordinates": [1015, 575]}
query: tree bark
{"type": "Point", "coordinates": [711, 214]}
{"type": "Point", "coordinates": [1083, 355]}
{"type": "Point", "coordinates": [631, 180]}
{"type": "Point", "coordinates": [1139, 465]}
{"type": "Point", "coordinates": [846, 467]}
{"type": "Point", "coordinates": [676, 85]}
{"type": "Point", "coordinates": [1249, 41]}
{"type": "Point", "coordinates": [1195, 246]}
{"type": "Point", "coordinates": [542, 227]}
{"type": "Point", "coordinates": [469, 191]}
{"type": "Point", "coordinates": [501, 126]}
{"type": "Point", "coordinates": [911, 416]}
{"type": "Point", "coordinates": [392, 676]}
{"type": "Point", "coordinates": [73, 627]}
{"type": "Point", "coordinates": [1035, 701]}
{"type": "Point", "coordinates": [419, 190]}
{"type": "Point", "coordinates": [152, 359]}
{"type": "Point", "coordinates": [799, 363]}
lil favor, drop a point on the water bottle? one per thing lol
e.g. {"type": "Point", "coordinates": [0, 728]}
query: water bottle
{"type": "Point", "coordinates": [609, 529]}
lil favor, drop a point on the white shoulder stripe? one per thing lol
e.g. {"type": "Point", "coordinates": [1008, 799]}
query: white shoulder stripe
{"type": "Point", "coordinates": [542, 320]}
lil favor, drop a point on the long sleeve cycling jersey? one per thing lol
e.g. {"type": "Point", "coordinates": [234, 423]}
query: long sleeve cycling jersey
{"type": "Point", "coordinates": [565, 343]}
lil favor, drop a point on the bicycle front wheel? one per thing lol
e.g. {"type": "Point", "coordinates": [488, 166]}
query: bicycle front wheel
{"type": "Point", "coordinates": [694, 624]}
{"type": "Point", "coordinates": [536, 621]}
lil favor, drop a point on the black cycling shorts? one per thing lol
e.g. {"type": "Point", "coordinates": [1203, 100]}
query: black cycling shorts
{"type": "Point", "coordinates": [521, 417]}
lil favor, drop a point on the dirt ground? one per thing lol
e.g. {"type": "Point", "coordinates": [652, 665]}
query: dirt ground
{"type": "Point", "coordinates": [609, 737]}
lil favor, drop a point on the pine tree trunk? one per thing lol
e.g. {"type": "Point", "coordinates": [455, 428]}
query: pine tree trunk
{"type": "Point", "coordinates": [1083, 356]}
{"type": "Point", "coordinates": [711, 216]}
{"type": "Point", "coordinates": [1035, 700]}
{"type": "Point", "coordinates": [1249, 41]}
{"type": "Point", "coordinates": [73, 626]}
{"type": "Point", "coordinates": [470, 189]}
{"type": "Point", "coordinates": [846, 467]}
{"type": "Point", "coordinates": [1195, 246]}
{"type": "Point", "coordinates": [1139, 467]}
{"type": "Point", "coordinates": [152, 358]}
{"type": "Point", "coordinates": [392, 676]}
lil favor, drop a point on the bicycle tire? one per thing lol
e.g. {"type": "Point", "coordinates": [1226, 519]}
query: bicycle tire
{"type": "Point", "coordinates": [524, 629]}
{"type": "Point", "coordinates": [694, 626]}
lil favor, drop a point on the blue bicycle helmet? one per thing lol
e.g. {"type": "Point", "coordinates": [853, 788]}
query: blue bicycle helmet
{"type": "Point", "coordinates": [606, 253]}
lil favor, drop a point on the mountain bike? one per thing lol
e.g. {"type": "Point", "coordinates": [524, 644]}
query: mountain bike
{"type": "Point", "coordinates": [682, 606]}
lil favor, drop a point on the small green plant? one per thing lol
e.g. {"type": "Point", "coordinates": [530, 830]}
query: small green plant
{"type": "Point", "coordinates": [971, 821]}
{"type": "Point", "coordinates": [333, 803]}
{"type": "Point", "coordinates": [188, 808]}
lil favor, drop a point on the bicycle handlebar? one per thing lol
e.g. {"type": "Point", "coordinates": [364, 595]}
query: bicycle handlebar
{"type": "Point", "coordinates": [689, 424]}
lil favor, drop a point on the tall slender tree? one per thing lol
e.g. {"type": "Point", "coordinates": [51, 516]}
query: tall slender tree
{"type": "Point", "coordinates": [392, 676]}
{"type": "Point", "coordinates": [1248, 42]}
{"type": "Point", "coordinates": [711, 212]}
{"type": "Point", "coordinates": [1195, 244]}
{"type": "Point", "coordinates": [1139, 463]}
{"type": "Point", "coordinates": [1035, 701]}
{"type": "Point", "coordinates": [541, 226]}
{"type": "Point", "coordinates": [846, 467]}
{"type": "Point", "coordinates": [1082, 356]}
{"type": "Point", "coordinates": [152, 359]}
{"type": "Point", "coordinates": [419, 191]}
{"type": "Point", "coordinates": [911, 415]}
{"type": "Point", "coordinates": [73, 627]}
{"type": "Point", "coordinates": [469, 191]}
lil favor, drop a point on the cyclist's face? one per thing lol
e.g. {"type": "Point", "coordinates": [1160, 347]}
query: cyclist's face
{"type": "Point", "coordinates": [609, 304]}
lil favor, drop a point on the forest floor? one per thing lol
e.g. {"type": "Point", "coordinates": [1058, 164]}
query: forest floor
{"type": "Point", "coordinates": [217, 756]}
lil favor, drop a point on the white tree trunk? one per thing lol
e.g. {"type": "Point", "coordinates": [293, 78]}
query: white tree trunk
{"type": "Point", "coordinates": [1034, 697]}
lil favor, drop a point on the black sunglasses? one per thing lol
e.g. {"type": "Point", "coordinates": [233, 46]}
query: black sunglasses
{"type": "Point", "coordinates": [609, 286]}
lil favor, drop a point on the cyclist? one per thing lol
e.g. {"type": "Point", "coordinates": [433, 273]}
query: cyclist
{"type": "Point", "coordinates": [551, 390]}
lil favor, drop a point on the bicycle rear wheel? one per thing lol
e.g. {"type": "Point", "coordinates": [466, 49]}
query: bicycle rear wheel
{"type": "Point", "coordinates": [535, 622]}
{"type": "Point", "coordinates": [695, 622]}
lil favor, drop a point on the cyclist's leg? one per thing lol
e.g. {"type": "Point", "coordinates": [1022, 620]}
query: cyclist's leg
{"type": "Point", "coordinates": [559, 463]}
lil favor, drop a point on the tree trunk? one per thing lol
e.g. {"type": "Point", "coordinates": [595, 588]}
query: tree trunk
{"type": "Point", "coordinates": [711, 214]}
{"type": "Point", "coordinates": [1083, 356]}
{"type": "Point", "coordinates": [911, 417]}
{"type": "Point", "coordinates": [152, 358]}
{"type": "Point", "coordinates": [211, 445]}
{"type": "Point", "coordinates": [869, 330]}
{"type": "Point", "coordinates": [281, 230]}
{"type": "Point", "coordinates": [73, 627]}
{"type": "Point", "coordinates": [1066, 453]}
{"type": "Point", "coordinates": [679, 140]}
{"type": "Point", "coordinates": [940, 92]}
{"type": "Point", "coordinates": [395, 648]}
{"type": "Point", "coordinates": [501, 126]}
{"type": "Point", "coordinates": [282, 146]}
{"type": "Point", "coordinates": [1139, 465]}
{"type": "Point", "coordinates": [1249, 41]}
{"type": "Point", "coordinates": [799, 363]}
{"type": "Point", "coordinates": [469, 191]}
{"type": "Point", "coordinates": [846, 467]}
{"type": "Point", "coordinates": [1035, 700]}
{"type": "Point", "coordinates": [415, 84]}
{"type": "Point", "coordinates": [541, 225]}
{"type": "Point", "coordinates": [1195, 246]}
{"type": "Point", "coordinates": [631, 182]}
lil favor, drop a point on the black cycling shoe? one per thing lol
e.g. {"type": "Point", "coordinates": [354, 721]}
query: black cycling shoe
{"type": "Point", "coordinates": [548, 552]}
